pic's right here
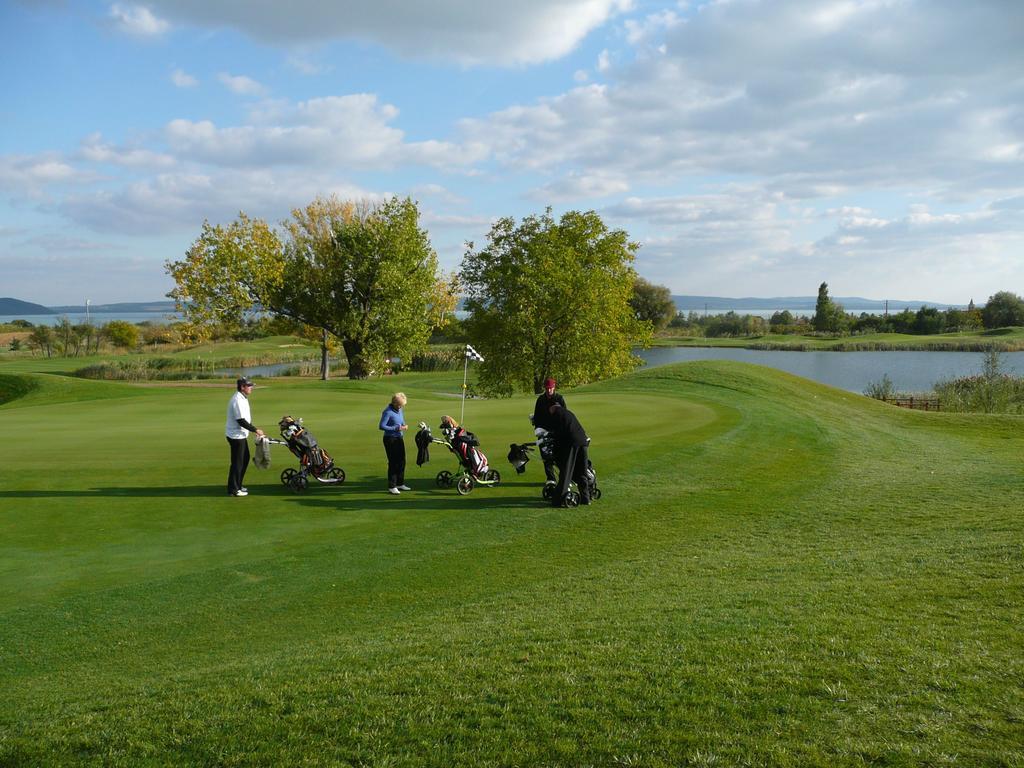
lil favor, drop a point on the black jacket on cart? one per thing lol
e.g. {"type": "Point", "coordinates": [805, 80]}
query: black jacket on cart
{"type": "Point", "coordinates": [541, 416]}
{"type": "Point", "coordinates": [566, 428]}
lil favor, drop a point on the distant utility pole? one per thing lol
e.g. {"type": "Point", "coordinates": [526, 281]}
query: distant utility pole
{"type": "Point", "coordinates": [705, 310]}
{"type": "Point", "coordinates": [886, 308]}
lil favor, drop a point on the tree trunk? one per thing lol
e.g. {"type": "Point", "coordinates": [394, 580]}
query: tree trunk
{"type": "Point", "coordinates": [356, 362]}
{"type": "Point", "coordinates": [324, 363]}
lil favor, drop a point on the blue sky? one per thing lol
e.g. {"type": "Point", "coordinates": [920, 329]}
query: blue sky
{"type": "Point", "coordinates": [752, 147]}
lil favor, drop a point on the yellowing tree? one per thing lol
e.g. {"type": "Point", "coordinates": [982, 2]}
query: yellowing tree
{"type": "Point", "coordinates": [364, 273]}
{"type": "Point", "coordinates": [228, 271]}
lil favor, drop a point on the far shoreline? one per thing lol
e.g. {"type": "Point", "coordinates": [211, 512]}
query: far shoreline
{"type": "Point", "coordinates": [1003, 339]}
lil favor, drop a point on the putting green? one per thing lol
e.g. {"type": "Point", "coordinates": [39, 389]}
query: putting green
{"type": "Point", "coordinates": [141, 475]}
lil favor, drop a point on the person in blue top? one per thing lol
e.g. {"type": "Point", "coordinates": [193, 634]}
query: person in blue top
{"type": "Point", "coordinates": [392, 422]}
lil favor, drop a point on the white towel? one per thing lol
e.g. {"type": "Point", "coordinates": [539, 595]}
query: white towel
{"type": "Point", "coordinates": [261, 456]}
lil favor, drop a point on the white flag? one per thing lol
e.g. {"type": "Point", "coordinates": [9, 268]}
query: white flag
{"type": "Point", "coordinates": [472, 354]}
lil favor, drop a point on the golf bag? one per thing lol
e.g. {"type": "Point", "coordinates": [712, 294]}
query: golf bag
{"type": "Point", "coordinates": [305, 447]}
{"type": "Point", "coordinates": [314, 461]}
{"type": "Point", "coordinates": [465, 445]}
{"type": "Point", "coordinates": [473, 469]}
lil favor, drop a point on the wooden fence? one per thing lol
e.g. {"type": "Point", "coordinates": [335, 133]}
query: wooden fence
{"type": "Point", "coordinates": [915, 402]}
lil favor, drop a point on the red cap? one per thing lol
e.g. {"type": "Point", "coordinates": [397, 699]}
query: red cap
{"type": "Point", "coordinates": [550, 383]}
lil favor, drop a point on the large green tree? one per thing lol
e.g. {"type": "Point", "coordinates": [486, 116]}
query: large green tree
{"type": "Point", "coordinates": [1003, 309]}
{"type": "Point", "coordinates": [362, 272]}
{"type": "Point", "coordinates": [829, 317]}
{"type": "Point", "coordinates": [652, 303]}
{"type": "Point", "coordinates": [551, 298]}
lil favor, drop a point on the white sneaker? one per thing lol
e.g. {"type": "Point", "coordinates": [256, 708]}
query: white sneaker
{"type": "Point", "coordinates": [394, 491]}
{"type": "Point", "coordinates": [404, 488]}
{"type": "Point", "coordinates": [241, 492]}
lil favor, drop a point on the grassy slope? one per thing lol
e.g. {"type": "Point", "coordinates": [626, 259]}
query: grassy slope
{"type": "Point", "coordinates": [779, 573]}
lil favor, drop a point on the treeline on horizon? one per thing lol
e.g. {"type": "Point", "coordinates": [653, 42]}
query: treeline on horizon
{"type": "Point", "coordinates": [1003, 309]}
{"type": "Point", "coordinates": [829, 320]}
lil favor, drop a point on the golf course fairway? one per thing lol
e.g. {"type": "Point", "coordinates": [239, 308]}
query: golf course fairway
{"type": "Point", "coordinates": [778, 573]}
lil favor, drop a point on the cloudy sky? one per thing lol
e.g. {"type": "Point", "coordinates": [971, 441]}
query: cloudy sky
{"type": "Point", "coordinates": [753, 147]}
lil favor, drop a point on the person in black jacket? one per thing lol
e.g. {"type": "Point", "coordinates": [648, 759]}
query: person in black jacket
{"type": "Point", "coordinates": [571, 453]}
{"type": "Point", "coordinates": [542, 416]}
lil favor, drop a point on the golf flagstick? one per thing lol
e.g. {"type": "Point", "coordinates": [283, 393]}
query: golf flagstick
{"type": "Point", "coordinates": [470, 353]}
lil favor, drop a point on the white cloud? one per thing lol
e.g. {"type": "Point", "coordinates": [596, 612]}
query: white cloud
{"type": "Point", "coordinates": [717, 241]}
{"type": "Point", "coordinates": [435, 220]}
{"type": "Point", "coordinates": [180, 202]}
{"type": "Point", "coordinates": [438, 192]}
{"type": "Point", "coordinates": [740, 241]}
{"type": "Point", "coordinates": [54, 243]}
{"type": "Point", "coordinates": [137, 20]}
{"type": "Point", "coordinates": [285, 154]}
{"type": "Point", "coordinates": [352, 131]}
{"type": "Point", "coordinates": [651, 26]}
{"type": "Point", "coordinates": [747, 207]}
{"type": "Point", "coordinates": [23, 176]}
{"type": "Point", "coordinates": [575, 186]}
{"type": "Point", "coordinates": [467, 31]}
{"type": "Point", "coordinates": [242, 85]}
{"type": "Point", "coordinates": [182, 79]}
{"type": "Point", "coordinates": [304, 65]}
{"type": "Point", "coordinates": [942, 257]}
{"type": "Point", "coordinates": [95, 150]}
{"type": "Point", "coordinates": [811, 97]}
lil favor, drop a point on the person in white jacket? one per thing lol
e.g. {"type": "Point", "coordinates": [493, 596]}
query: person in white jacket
{"type": "Point", "coordinates": [236, 430]}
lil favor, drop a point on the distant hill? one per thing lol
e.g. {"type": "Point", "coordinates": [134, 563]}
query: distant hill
{"type": "Point", "coordinates": [799, 303]}
{"type": "Point", "coordinates": [124, 308]}
{"type": "Point", "coordinates": [10, 306]}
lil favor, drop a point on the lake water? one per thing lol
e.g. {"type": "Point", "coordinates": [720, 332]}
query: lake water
{"type": "Point", "coordinates": [853, 371]}
{"type": "Point", "coordinates": [271, 369]}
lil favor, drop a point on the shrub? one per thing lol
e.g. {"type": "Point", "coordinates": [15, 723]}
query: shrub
{"type": "Point", "coordinates": [142, 369]}
{"type": "Point", "coordinates": [437, 360]}
{"type": "Point", "coordinates": [991, 391]}
{"type": "Point", "coordinates": [122, 334]}
{"type": "Point", "coordinates": [153, 334]}
{"type": "Point", "coordinates": [881, 390]}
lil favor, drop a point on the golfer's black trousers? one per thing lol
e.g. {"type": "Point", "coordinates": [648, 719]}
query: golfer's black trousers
{"type": "Point", "coordinates": [572, 467]}
{"type": "Point", "coordinates": [394, 447]}
{"type": "Point", "coordinates": [239, 462]}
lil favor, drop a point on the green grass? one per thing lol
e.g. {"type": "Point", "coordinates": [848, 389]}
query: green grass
{"type": "Point", "coordinates": [1006, 339]}
{"type": "Point", "coordinates": [779, 573]}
